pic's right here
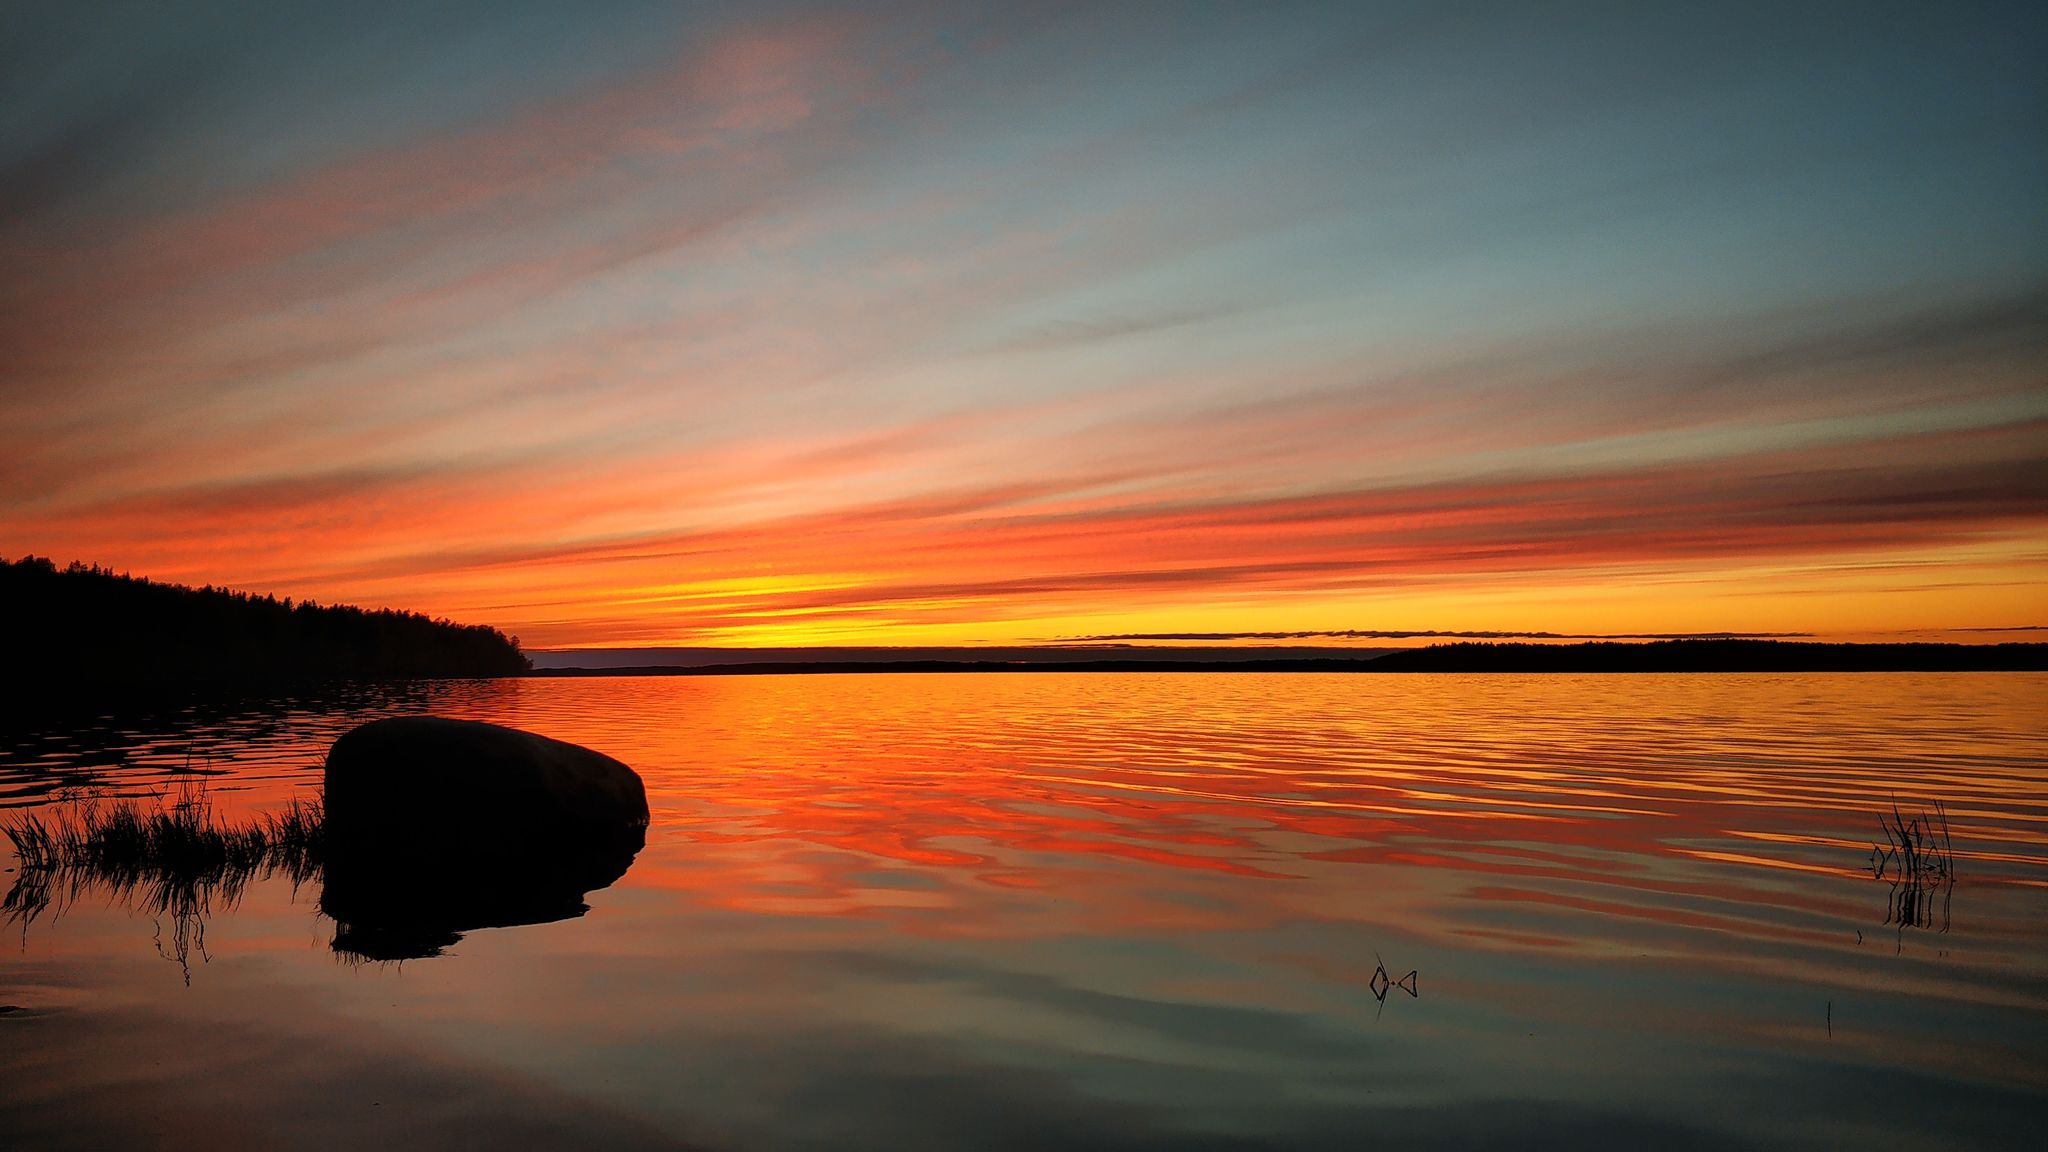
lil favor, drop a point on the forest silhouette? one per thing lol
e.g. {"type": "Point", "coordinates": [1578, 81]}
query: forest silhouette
{"type": "Point", "coordinates": [85, 626]}
{"type": "Point", "coordinates": [1717, 655]}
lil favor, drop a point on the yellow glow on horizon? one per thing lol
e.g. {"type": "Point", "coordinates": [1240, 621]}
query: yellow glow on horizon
{"type": "Point", "coordinates": [1877, 598]}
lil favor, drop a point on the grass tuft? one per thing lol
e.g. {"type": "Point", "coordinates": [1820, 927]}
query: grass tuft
{"type": "Point", "coordinates": [178, 861]}
{"type": "Point", "coordinates": [1918, 860]}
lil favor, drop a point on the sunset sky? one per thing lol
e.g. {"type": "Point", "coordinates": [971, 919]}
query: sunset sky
{"type": "Point", "coordinates": [750, 324]}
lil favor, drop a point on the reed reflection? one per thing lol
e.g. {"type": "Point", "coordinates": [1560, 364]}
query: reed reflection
{"type": "Point", "coordinates": [183, 863]}
{"type": "Point", "coordinates": [1917, 860]}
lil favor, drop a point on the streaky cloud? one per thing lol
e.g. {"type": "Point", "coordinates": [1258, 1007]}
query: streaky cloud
{"type": "Point", "coordinates": [787, 324]}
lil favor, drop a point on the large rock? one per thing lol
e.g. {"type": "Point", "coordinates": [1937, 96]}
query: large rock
{"type": "Point", "coordinates": [438, 826]}
{"type": "Point", "coordinates": [444, 777]}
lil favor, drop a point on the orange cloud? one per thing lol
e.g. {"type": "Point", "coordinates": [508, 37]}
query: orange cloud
{"type": "Point", "coordinates": [716, 353]}
{"type": "Point", "coordinates": [518, 537]}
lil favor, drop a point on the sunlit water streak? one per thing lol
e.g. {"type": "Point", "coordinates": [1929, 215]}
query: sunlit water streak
{"type": "Point", "coordinates": [1059, 910]}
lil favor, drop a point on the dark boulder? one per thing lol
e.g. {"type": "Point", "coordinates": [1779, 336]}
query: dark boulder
{"type": "Point", "coordinates": [436, 826]}
{"type": "Point", "coordinates": [445, 777]}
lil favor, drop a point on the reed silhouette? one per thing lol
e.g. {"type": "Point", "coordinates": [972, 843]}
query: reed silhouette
{"type": "Point", "coordinates": [181, 863]}
{"type": "Point", "coordinates": [1383, 982]}
{"type": "Point", "coordinates": [1917, 860]}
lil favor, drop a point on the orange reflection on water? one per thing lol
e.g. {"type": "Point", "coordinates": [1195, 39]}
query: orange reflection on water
{"type": "Point", "coordinates": [855, 887]}
{"type": "Point", "coordinates": [1526, 811]}
{"type": "Point", "coordinates": [1010, 805]}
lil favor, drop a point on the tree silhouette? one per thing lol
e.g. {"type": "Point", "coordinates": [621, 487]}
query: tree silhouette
{"type": "Point", "coordinates": [85, 625]}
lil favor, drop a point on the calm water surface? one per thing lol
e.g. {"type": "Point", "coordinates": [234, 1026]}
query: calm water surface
{"type": "Point", "coordinates": [1070, 911]}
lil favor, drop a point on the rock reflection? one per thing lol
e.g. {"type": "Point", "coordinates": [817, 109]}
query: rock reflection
{"type": "Point", "coordinates": [182, 864]}
{"type": "Point", "coordinates": [412, 904]}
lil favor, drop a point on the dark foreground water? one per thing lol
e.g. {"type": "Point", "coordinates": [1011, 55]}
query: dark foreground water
{"type": "Point", "coordinates": [1128, 911]}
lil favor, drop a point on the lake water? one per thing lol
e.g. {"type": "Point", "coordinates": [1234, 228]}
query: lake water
{"type": "Point", "coordinates": [1107, 911]}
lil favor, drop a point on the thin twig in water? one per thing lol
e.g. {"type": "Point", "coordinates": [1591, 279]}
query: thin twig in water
{"type": "Point", "coordinates": [1918, 861]}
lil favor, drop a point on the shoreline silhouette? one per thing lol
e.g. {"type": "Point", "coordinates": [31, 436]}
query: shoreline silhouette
{"type": "Point", "coordinates": [1666, 656]}
{"type": "Point", "coordinates": [87, 630]}
{"type": "Point", "coordinates": [84, 627]}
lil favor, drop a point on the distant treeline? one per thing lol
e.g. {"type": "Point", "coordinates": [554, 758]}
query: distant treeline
{"type": "Point", "coordinates": [85, 626]}
{"type": "Point", "coordinates": [1661, 656]}
{"type": "Point", "coordinates": [1718, 656]}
